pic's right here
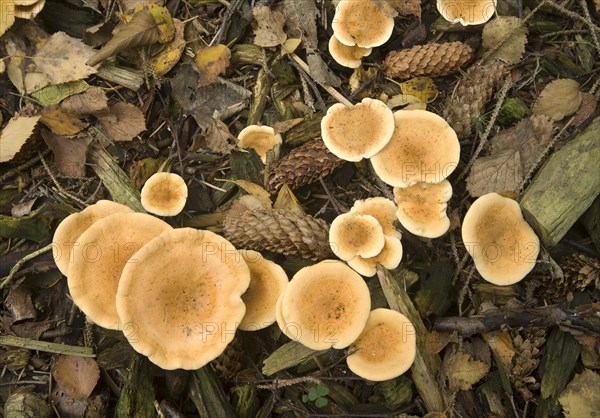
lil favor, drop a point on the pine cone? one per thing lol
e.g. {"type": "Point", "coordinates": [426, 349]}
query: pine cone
{"type": "Point", "coordinates": [229, 363]}
{"type": "Point", "coordinates": [526, 360]}
{"type": "Point", "coordinates": [278, 231]}
{"type": "Point", "coordinates": [580, 272]}
{"type": "Point", "coordinates": [430, 59]}
{"type": "Point", "coordinates": [469, 97]}
{"type": "Point", "coordinates": [303, 165]}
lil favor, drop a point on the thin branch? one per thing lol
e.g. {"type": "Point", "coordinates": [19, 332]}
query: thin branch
{"type": "Point", "coordinates": [6, 280]}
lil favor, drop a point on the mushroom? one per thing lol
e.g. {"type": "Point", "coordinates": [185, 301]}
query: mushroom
{"type": "Point", "coordinates": [423, 148]}
{"type": "Point", "coordinates": [351, 234]}
{"type": "Point", "coordinates": [358, 132]}
{"type": "Point", "coordinates": [68, 231]}
{"type": "Point", "coordinates": [503, 246]}
{"type": "Point", "coordinates": [325, 305]}
{"type": "Point", "coordinates": [422, 208]}
{"type": "Point", "coordinates": [467, 12]}
{"type": "Point", "coordinates": [348, 56]}
{"type": "Point", "coordinates": [382, 209]}
{"type": "Point", "coordinates": [28, 9]}
{"type": "Point", "coordinates": [164, 194]}
{"type": "Point", "coordinates": [104, 249]}
{"type": "Point", "coordinates": [180, 303]}
{"type": "Point", "coordinates": [362, 22]}
{"type": "Point", "coordinates": [267, 283]}
{"type": "Point", "coordinates": [259, 138]}
{"type": "Point", "coordinates": [390, 258]}
{"type": "Point", "coordinates": [386, 348]}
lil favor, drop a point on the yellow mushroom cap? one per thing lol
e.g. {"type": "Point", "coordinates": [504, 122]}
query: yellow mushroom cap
{"type": "Point", "coordinates": [70, 229]}
{"type": "Point", "coordinates": [325, 305]}
{"type": "Point", "coordinates": [390, 258]}
{"type": "Point", "coordinates": [104, 249]}
{"type": "Point", "coordinates": [28, 9]}
{"type": "Point", "coordinates": [164, 194]}
{"type": "Point", "coordinates": [503, 246]}
{"type": "Point", "coordinates": [358, 132]}
{"type": "Point", "coordinates": [467, 12]}
{"type": "Point", "coordinates": [267, 283]}
{"type": "Point", "coordinates": [351, 234]}
{"type": "Point", "coordinates": [423, 148]}
{"type": "Point", "coordinates": [422, 208]}
{"type": "Point", "coordinates": [386, 348]}
{"type": "Point", "coordinates": [259, 138]}
{"type": "Point", "coordinates": [382, 209]}
{"type": "Point", "coordinates": [348, 56]}
{"type": "Point", "coordinates": [181, 302]}
{"type": "Point", "coordinates": [362, 22]}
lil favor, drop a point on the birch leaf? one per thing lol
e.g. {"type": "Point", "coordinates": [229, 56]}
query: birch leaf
{"type": "Point", "coordinates": [14, 135]}
{"type": "Point", "coordinates": [559, 99]}
{"type": "Point", "coordinates": [269, 30]}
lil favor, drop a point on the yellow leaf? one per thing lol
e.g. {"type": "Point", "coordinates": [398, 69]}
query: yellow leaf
{"type": "Point", "coordinates": [14, 135]}
{"type": "Point", "coordinates": [7, 15]}
{"type": "Point", "coordinates": [402, 100]}
{"type": "Point", "coordinates": [581, 397]}
{"type": "Point", "coordinates": [254, 189]}
{"type": "Point", "coordinates": [211, 62]}
{"type": "Point", "coordinates": [509, 35]}
{"type": "Point", "coordinates": [61, 123]}
{"type": "Point", "coordinates": [170, 54]}
{"type": "Point", "coordinates": [463, 371]}
{"type": "Point", "coordinates": [291, 45]}
{"type": "Point", "coordinates": [287, 201]}
{"type": "Point", "coordinates": [421, 87]}
{"type": "Point", "coordinates": [501, 343]}
{"type": "Point", "coordinates": [162, 17]}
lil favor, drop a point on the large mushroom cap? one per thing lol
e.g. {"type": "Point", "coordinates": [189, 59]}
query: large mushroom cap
{"type": "Point", "coordinates": [362, 22]}
{"type": "Point", "coordinates": [68, 231]}
{"type": "Point", "coordinates": [259, 138]}
{"type": "Point", "coordinates": [348, 56]}
{"type": "Point", "coordinates": [503, 246]}
{"type": "Point", "coordinates": [422, 208]}
{"type": "Point", "coordinates": [182, 299]}
{"type": "Point", "coordinates": [423, 148]}
{"type": "Point", "coordinates": [386, 348]}
{"type": "Point", "coordinates": [390, 258]}
{"type": "Point", "coordinates": [382, 209]}
{"type": "Point", "coordinates": [351, 234]}
{"type": "Point", "coordinates": [267, 283]}
{"type": "Point", "coordinates": [104, 249]}
{"type": "Point", "coordinates": [325, 305]}
{"type": "Point", "coordinates": [467, 12]}
{"type": "Point", "coordinates": [164, 194]}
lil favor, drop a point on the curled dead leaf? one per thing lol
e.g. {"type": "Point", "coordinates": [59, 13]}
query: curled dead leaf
{"type": "Point", "coordinates": [70, 154]}
{"type": "Point", "coordinates": [211, 62]}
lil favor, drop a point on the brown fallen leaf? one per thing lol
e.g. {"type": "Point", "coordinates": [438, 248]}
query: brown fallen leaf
{"type": "Point", "coordinates": [69, 153]}
{"type": "Point", "coordinates": [286, 125]}
{"type": "Point", "coordinates": [14, 135]}
{"type": "Point", "coordinates": [269, 27]}
{"type": "Point", "coordinates": [211, 62]}
{"type": "Point", "coordinates": [507, 33]}
{"type": "Point", "coordinates": [301, 20]}
{"type": "Point", "coordinates": [581, 397]}
{"type": "Point", "coordinates": [63, 58]}
{"type": "Point", "coordinates": [218, 137]}
{"type": "Point", "coordinates": [61, 122]}
{"type": "Point", "coordinates": [20, 47]}
{"type": "Point", "coordinates": [463, 371]}
{"type": "Point", "coordinates": [586, 109]}
{"type": "Point", "coordinates": [559, 99]}
{"type": "Point", "coordinates": [406, 7]}
{"type": "Point", "coordinates": [92, 100]}
{"type": "Point", "coordinates": [122, 121]}
{"type": "Point", "coordinates": [77, 376]}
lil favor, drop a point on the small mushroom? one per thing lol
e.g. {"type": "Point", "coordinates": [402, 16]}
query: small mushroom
{"type": "Point", "coordinates": [164, 194]}
{"type": "Point", "coordinates": [267, 283]}
{"type": "Point", "coordinates": [351, 234]}
{"type": "Point", "coordinates": [71, 228]}
{"type": "Point", "coordinates": [28, 9]}
{"type": "Point", "coordinates": [348, 56]}
{"type": "Point", "coordinates": [423, 148]}
{"type": "Point", "coordinates": [325, 305]}
{"type": "Point", "coordinates": [180, 303]}
{"type": "Point", "coordinates": [358, 132]}
{"type": "Point", "coordinates": [382, 209]}
{"type": "Point", "coordinates": [390, 258]}
{"type": "Point", "coordinates": [467, 12]}
{"type": "Point", "coordinates": [259, 138]}
{"type": "Point", "coordinates": [362, 22]}
{"type": "Point", "coordinates": [503, 246]}
{"type": "Point", "coordinates": [104, 249]}
{"type": "Point", "coordinates": [386, 348]}
{"type": "Point", "coordinates": [422, 208]}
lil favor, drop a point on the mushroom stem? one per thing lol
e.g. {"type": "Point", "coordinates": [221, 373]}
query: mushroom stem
{"type": "Point", "coordinates": [336, 94]}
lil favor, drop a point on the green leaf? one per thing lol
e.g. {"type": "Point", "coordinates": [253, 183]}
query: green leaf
{"type": "Point", "coordinates": [305, 398]}
{"type": "Point", "coordinates": [320, 402]}
{"type": "Point", "coordinates": [322, 390]}
{"type": "Point", "coordinates": [313, 394]}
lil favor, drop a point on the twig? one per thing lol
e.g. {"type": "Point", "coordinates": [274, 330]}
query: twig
{"type": "Point", "coordinates": [222, 32]}
{"type": "Point", "coordinates": [306, 77]}
{"type": "Point", "coordinates": [586, 12]}
{"type": "Point", "coordinates": [46, 346]}
{"type": "Point", "coordinates": [6, 280]}
{"type": "Point", "coordinates": [334, 202]}
{"type": "Point", "coordinates": [571, 14]}
{"type": "Point", "coordinates": [22, 167]}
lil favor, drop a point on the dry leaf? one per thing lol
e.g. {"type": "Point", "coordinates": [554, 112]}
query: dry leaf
{"type": "Point", "coordinates": [22, 71]}
{"type": "Point", "coordinates": [170, 54]}
{"type": "Point", "coordinates": [69, 153]}
{"type": "Point", "coordinates": [269, 27]}
{"type": "Point", "coordinates": [559, 99]}
{"type": "Point", "coordinates": [255, 190]}
{"type": "Point", "coordinates": [122, 121]}
{"type": "Point", "coordinates": [286, 125]}
{"type": "Point", "coordinates": [435, 341]}
{"type": "Point", "coordinates": [7, 15]}
{"type": "Point", "coordinates": [16, 132]}
{"type": "Point", "coordinates": [501, 343]}
{"type": "Point", "coordinates": [404, 100]}
{"type": "Point", "coordinates": [406, 7]}
{"type": "Point", "coordinates": [60, 122]}
{"type": "Point", "coordinates": [77, 376]}
{"type": "Point", "coordinates": [218, 137]}
{"type": "Point", "coordinates": [497, 33]}
{"type": "Point", "coordinates": [581, 397]}
{"type": "Point", "coordinates": [211, 62]}
{"type": "Point", "coordinates": [422, 88]}
{"type": "Point", "coordinates": [287, 201]}
{"type": "Point", "coordinates": [63, 59]}
{"type": "Point", "coordinates": [358, 77]}
{"type": "Point", "coordinates": [319, 71]}
{"type": "Point", "coordinates": [586, 109]}
{"type": "Point", "coordinates": [514, 152]}
{"type": "Point", "coordinates": [92, 100]}
{"type": "Point", "coordinates": [463, 372]}
{"type": "Point", "coordinates": [128, 5]}
{"type": "Point", "coordinates": [301, 19]}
